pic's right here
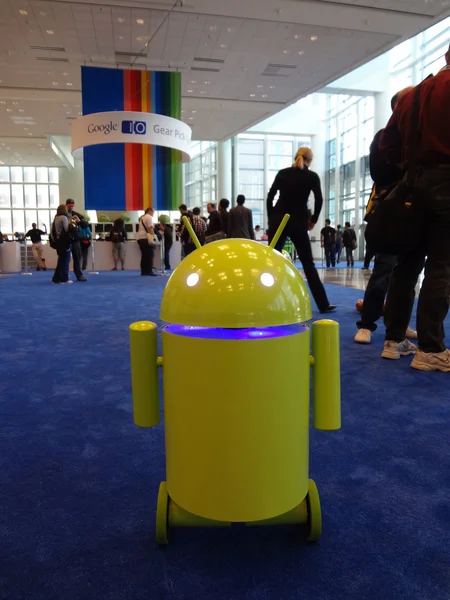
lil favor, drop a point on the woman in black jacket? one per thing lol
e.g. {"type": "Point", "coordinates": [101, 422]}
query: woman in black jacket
{"type": "Point", "coordinates": [295, 185]}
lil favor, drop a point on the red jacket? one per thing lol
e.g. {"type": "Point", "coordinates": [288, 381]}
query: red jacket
{"type": "Point", "coordinates": [434, 147]}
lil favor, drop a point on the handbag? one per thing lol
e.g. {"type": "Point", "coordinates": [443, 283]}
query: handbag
{"type": "Point", "coordinates": [395, 223]}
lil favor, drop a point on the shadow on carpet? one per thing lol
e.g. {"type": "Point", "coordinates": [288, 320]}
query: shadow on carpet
{"type": "Point", "coordinates": [79, 481]}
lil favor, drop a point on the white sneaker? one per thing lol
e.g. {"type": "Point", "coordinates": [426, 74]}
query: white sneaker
{"type": "Point", "coordinates": [424, 361]}
{"type": "Point", "coordinates": [363, 336]}
{"type": "Point", "coordinates": [394, 350]}
{"type": "Point", "coordinates": [66, 282]}
{"type": "Point", "coordinates": [411, 334]}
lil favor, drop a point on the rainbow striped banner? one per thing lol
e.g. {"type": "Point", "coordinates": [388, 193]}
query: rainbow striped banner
{"type": "Point", "coordinates": [131, 176]}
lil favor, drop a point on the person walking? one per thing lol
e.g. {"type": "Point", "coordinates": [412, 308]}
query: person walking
{"type": "Point", "coordinates": [75, 219]}
{"type": "Point", "coordinates": [167, 233]}
{"type": "Point", "coordinates": [384, 176]}
{"type": "Point", "coordinates": [118, 237]}
{"type": "Point", "coordinates": [338, 249]}
{"type": "Point", "coordinates": [224, 214]}
{"type": "Point", "coordinates": [240, 221]}
{"type": "Point", "coordinates": [328, 243]}
{"type": "Point", "coordinates": [349, 242]}
{"type": "Point", "coordinates": [85, 235]}
{"type": "Point", "coordinates": [62, 232]}
{"type": "Point", "coordinates": [433, 178]}
{"type": "Point", "coordinates": [199, 227]}
{"type": "Point", "coordinates": [37, 248]}
{"type": "Point", "coordinates": [146, 246]}
{"type": "Point", "coordinates": [295, 185]}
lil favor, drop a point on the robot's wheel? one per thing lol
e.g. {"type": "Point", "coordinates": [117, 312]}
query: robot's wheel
{"type": "Point", "coordinates": [162, 514]}
{"type": "Point", "coordinates": [314, 512]}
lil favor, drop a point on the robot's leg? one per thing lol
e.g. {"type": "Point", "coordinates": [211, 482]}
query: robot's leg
{"type": "Point", "coordinates": [162, 515]}
{"type": "Point", "coordinates": [314, 524]}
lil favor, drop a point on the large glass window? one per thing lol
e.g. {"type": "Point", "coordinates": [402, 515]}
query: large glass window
{"type": "Point", "coordinates": [22, 191]}
{"type": "Point", "coordinates": [200, 175]}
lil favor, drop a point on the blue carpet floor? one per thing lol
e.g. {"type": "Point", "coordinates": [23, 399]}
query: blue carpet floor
{"type": "Point", "coordinates": [78, 481]}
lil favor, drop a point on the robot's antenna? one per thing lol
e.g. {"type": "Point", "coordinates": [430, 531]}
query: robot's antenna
{"type": "Point", "coordinates": [194, 238]}
{"type": "Point", "coordinates": [280, 230]}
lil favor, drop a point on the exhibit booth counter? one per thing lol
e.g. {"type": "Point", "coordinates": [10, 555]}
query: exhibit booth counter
{"type": "Point", "coordinates": [99, 258]}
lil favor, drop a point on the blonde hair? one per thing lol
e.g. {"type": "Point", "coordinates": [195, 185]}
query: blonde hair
{"type": "Point", "coordinates": [301, 155]}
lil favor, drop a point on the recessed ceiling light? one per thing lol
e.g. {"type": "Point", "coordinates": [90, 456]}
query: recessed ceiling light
{"type": "Point", "coordinates": [202, 92]}
{"type": "Point", "coordinates": [259, 86]}
{"type": "Point", "coordinates": [296, 36]}
{"type": "Point", "coordinates": [65, 74]}
{"type": "Point", "coordinates": [207, 82]}
{"type": "Point", "coordinates": [23, 12]}
{"type": "Point", "coordinates": [120, 37]}
{"type": "Point", "coordinates": [213, 27]}
{"type": "Point", "coordinates": [193, 81]}
{"type": "Point", "coordinates": [25, 128]}
{"type": "Point", "coordinates": [30, 134]}
{"type": "Point", "coordinates": [189, 91]}
{"type": "Point", "coordinates": [9, 110]}
{"type": "Point", "coordinates": [252, 95]}
{"type": "Point", "coordinates": [194, 111]}
{"type": "Point", "coordinates": [301, 53]}
{"type": "Point", "coordinates": [286, 51]}
{"type": "Point", "coordinates": [65, 105]}
{"type": "Point", "coordinates": [77, 106]}
{"type": "Point", "coordinates": [43, 13]}
{"type": "Point", "coordinates": [223, 45]}
{"type": "Point", "coordinates": [191, 118]}
{"type": "Point", "coordinates": [314, 38]}
{"type": "Point", "coordinates": [229, 29]}
{"type": "Point", "coordinates": [79, 113]}
{"type": "Point", "coordinates": [69, 84]}
{"type": "Point", "coordinates": [121, 19]}
{"type": "Point", "coordinates": [140, 21]}
{"type": "Point", "coordinates": [21, 110]}
{"type": "Point", "coordinates": [50, 32]}
{"type": "Point", "coordinates": [264, 95]}
{"type": "Point", "coordinates": [54, 83]}
{"type": "Point", "coordinates": [272, 87]}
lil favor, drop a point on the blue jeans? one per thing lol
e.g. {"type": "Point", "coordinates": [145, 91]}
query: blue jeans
{"type": "Point", "coordinates": [61, 274]}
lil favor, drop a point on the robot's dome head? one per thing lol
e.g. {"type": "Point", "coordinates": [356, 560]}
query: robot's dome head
{"type": "Point", "coordinates": [235, 283]}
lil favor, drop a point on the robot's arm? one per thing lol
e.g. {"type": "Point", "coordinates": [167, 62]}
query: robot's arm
{"type": "Point", "coordinates": [326, 375]}
{"type": "Point", "coordinates": [144, 373]}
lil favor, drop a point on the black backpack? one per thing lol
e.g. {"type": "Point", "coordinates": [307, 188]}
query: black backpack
{"type": "Point", "coordinates": [52, 237]}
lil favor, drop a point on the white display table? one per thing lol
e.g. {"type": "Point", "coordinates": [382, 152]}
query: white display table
{"type": "Point", "coordinates": [100, 256]}
{"type": "Point", "coordinates": [10, 261]}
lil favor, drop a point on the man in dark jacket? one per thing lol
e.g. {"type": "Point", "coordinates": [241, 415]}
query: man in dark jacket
{"type": "Point", "coordinates": [75, 218]}
{"type": "Point", "coordinates": [214, 222]}
{"type": "Point", "coordinates": [240, 221]}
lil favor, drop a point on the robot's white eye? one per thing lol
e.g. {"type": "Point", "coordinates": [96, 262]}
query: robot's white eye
{"type": "Point", "coordinates": [192, 279]}
{"type": "Point", "coordinates": [267, 279]}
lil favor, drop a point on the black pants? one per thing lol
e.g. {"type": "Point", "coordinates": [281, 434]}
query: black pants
{"type": "Point", "coordinates": [330, 255]}
{"type": "Point", "coordinates": [368, 256]}
{"type": "Point", "coordinates": [146, 257]}
{"type": "Point", "coordinates": [298, 233]}
{"type": "Point", "coordinates": [435, 292]}
{"type": "Point", "coordinates": [76, 255]}
{"type": "Point", "coordinates": [61, 274]}
{"type": "Point", "coordinates": [349, 256]}
{"type": "Point", "coordinates": [188, 248]}
{"type": "Point", "coordinates": [376, 291]}
{"type": "Point", "coordinates": [84, 254]}
{"type": "Point", "coordinates": [167, 248]}
{"type": "Point", "coordinates": [338, 251]}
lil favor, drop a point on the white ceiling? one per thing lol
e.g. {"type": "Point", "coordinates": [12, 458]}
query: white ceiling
{"type": "Point", "coordinates": [232, 86]}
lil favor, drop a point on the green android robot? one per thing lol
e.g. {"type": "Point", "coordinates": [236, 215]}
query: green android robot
{"type": "Point", "coordinates": [237, 447]}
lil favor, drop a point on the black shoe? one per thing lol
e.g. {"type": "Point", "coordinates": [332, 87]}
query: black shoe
{"type": "Point", "coordinates": [330, 308]}
{"type": "Point", "coordinates": [38, 269]}
{"type": "Point", "coordinates": [81, 278]}
{"type": "Point", "coordinates": [44, 268]}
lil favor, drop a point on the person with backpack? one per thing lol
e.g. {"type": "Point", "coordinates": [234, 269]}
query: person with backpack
{"type": "Point", "coordinates": [349, 242]}
{"type": "Point", "coordinates": [60, 240]}
{"type": "Point", "coordinates": [328, 243]}
{"type": "Point", "coordinates": [85, 235]}
{"type": "Point", "coordinates": [199, 227]}
{"type": "Point", "coordinates": [118, 237]}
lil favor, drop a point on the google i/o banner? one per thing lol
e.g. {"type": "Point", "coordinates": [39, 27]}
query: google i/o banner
{"type": "Point", "coordinates": [132, 139]}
